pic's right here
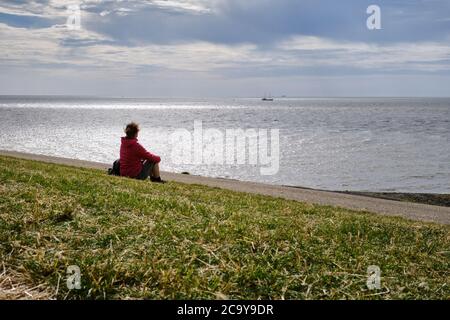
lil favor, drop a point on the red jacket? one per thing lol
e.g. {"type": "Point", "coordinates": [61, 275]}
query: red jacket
{"type": "Point", "coordinates": [131, 156]}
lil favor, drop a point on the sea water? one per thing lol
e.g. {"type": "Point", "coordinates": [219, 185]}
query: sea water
{"type": "Point", "coordinates": [367, 144]}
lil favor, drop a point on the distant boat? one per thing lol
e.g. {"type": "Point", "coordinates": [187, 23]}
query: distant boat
{"type": "Point", "coordinates": [267, 98]}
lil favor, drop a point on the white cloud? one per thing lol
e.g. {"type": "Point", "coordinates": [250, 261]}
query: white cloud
{"type": "Point", "coordinates": [28, 47]}
{"type": "Point", "coordinates": [25, 47]}
{"type": "Point", "coordinates": [57, 8]}
{"type": "Point", "coordinates": [198, 6]}
{"type": "Point", "coordinates": [315, 51]}
{"type": "Point", "coordinates": [48, 46]}
{"type": "Point", "coordinates": [196, 57]}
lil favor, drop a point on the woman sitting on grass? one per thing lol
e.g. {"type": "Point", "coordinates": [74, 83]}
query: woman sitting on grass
{"type": "Point", "coordinates": [135, 161]}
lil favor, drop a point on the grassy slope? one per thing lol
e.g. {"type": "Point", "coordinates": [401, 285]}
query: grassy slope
{"type": "Point", "coordinates": [142, 240]}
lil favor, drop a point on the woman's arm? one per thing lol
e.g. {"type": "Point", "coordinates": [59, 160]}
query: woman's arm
{"type": "Point", "coordinates": [144, 154]}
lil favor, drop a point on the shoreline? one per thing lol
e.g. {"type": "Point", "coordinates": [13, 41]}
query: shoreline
{"type": "Point", "coordinates": [398, 205]}
{"type": "Point", "coordinates": [433, 199]}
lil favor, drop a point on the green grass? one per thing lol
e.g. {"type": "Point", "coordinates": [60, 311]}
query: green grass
{"type": "Point", "coordinates": [134, 239]}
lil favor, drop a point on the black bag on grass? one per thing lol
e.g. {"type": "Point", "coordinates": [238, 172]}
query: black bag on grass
{"type": "Point", "coordinates": [115, 170]}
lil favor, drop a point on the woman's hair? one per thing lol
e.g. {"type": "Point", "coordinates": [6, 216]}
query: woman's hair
{"type": "Point", "coordinates": [132, 130]}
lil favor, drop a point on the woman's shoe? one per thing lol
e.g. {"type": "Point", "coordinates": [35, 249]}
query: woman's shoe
{"type": "Point", "coordinates": [157, 180]}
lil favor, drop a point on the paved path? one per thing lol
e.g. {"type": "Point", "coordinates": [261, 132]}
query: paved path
{"type": "Point", "coordinates": [414, 211]}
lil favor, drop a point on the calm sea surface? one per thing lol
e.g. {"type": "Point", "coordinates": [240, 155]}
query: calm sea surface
{"type": "Point", "coordinates": [371, 144]}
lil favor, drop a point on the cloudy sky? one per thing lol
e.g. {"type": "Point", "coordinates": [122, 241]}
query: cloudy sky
{"type": "Point", "coordinates": [206, 48]}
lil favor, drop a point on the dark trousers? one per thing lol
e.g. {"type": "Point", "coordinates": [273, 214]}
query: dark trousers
{"type": "Point", "coordinates": [147, 167]}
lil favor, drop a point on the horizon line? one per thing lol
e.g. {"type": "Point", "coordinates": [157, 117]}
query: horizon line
{"type": "Point", "coordinates": [216, 97]}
